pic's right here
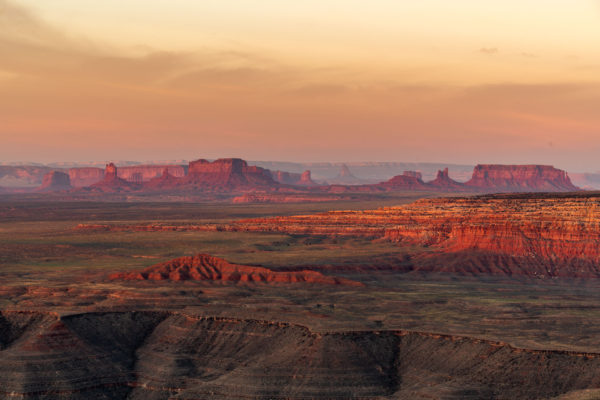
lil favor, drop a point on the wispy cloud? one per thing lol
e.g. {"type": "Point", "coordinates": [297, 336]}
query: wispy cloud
{"type": "Point", "coordinates": [488, 50]}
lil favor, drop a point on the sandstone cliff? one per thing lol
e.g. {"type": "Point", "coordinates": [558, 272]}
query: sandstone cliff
{"type": "Point", "coordinates": [227, 174]}
{"type": "Point", "coordinates": [558, 234]}
{"type": "Point", "coordinates": [55, 181]}
{"type": "Point", "coordinates": [145, 173]}
{"type": "Point", "coordinates": [81, 177]}
{"type": "Point", "coordinates": [520, 178]}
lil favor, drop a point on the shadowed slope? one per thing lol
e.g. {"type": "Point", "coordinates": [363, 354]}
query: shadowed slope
{"type": "Point", "coordinates": [204, 267]}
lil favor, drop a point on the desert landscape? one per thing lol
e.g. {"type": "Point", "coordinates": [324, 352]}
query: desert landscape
{"type": "Point", "coordinates": [316, 200]}
{"type": "Point", "coordinates": [409, 295]}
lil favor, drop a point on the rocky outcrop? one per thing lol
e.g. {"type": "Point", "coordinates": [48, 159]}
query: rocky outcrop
{"type": "Point", "coordinates": [55, 181]}
{"type": "Point", "coordinates": [112, 182]}
{"type": "Point", "coordinates": [227, 174]}
{"type": "Point", "coordinates": [161, 355]}
{"type": "Point", "coordinates": [81, 177]}
{"type": "Point", "coordinates": [145, 173]}
{"type": "Point", "coordinates": [204, 267]}
{"type": "Point", "coordinates": [563, 231]}
{"type": "Point", "coordinates": [520, 178]}
{"type": "Point", "coordinates": [291, 178]}
{"type": "Point", "coordinates": [444, 182]}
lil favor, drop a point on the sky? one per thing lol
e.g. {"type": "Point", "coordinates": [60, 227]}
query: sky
{"type": "Point", "coordinates": [462, 81]}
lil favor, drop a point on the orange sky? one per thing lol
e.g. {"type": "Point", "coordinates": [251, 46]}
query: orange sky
{"type": "Point", "coordinates": [463, 81]}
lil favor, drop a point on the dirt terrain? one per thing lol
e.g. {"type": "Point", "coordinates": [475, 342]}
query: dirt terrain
{"type": "Point", "coordinates": [294, 313]}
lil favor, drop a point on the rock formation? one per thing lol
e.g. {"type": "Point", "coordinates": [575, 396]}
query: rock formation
{"type": "Point", "coordinates": [557, 235]}
{"type": "Point", "coordinates": [443, 181]}
{"type": "Point", "coordinates": [81, 177]}
{"type": "Point", "coordinates": [145, 173]}
{"type": "Point", "coordinates": [520, 178]}
{"type": "Point", "coordinates": [306, 179]}
{"type": "Point", "coordinates": [112, 182]}
{"type": "Point", "coordinates": [291, 178]}
{"type": "Point", "coordinates": [345, 177]}
{"type": "Point", "coordinates": [227, 174]}
{"type": "Point", "coordinates": [55, 181]}
{"type": "Point", "coordinates": [204, 267]}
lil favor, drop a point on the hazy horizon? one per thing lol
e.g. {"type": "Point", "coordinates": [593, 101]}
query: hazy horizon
{"type": "Point", "coordinates": [342, 81]}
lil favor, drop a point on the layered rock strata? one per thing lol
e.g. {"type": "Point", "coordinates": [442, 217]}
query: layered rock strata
{"type": "Point", "coordinates": [162, 355]}
{"type": "Point", "coordinates": [204, 267]}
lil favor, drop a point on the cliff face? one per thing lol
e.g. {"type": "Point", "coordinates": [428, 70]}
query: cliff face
{"type": "Point", "coordinates": [443, 181]}
{"type": "Point", "coordinates": [520, 178]}
{"type": "Point", "coordinates": [112, 182]}
{"type": "Point", "coordinates": [204, 267]}
{"type": "Point", "coordinates": [145, 173]}
{"type": "Point", "coordinates": [227, 173]}
{"type": "Point", "coordinates": [161, 355]}
{"type": "Point", "coordinates": [81, 177]}
{"type": "Point", "coordinates": [55, 181]}
{"type": "Point", "coordinates": [563, 231]}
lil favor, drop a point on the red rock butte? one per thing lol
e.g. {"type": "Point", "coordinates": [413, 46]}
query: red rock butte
{"type": "Point", "coordinates": [204, 267]}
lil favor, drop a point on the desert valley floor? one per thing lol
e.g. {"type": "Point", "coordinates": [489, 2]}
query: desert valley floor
{"type": "Point", "coordinates": [190, 301]}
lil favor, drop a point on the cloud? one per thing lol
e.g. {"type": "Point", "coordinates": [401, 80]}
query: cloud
{"type": "Point", "coordinates": [488, 50]}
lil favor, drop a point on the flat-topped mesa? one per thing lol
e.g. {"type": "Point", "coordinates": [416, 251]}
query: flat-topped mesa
{"type": "Point", "coordinates": [204, 267]}
{"type": "Point", "coordinates": [55, 181]}
{"type": "Point", "coordinates": [292, 178]}
{"type": "Point", "coordinates": [520, 178]}
{"type": "Point", "coordinates": [227, 172]}
{"type": "Point", "coordinates": [86, 176]}
{"type": "Point", "coordinates": [410, 180]}
{"type": "Point", "coordinates": [145, 173]}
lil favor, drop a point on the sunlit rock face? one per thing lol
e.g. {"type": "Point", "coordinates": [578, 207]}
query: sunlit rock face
{"type": "Point", "coordinates": [520, 178]}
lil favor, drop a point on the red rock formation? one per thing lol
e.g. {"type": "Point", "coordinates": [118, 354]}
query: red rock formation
{"type": "Point", "coordinates": [306, 179]}
{"type": "Point", "coordinates": [145, 173]}
{"type": "Point", "coordinates": [112, 182]}
{"type": "Point", "coordinates": [291, 178]}
{"type": "Point", "coordinates": [563, 231]}
{"type": "Point", "coordinates": [204, 267]}
{"type": "Point", "coordinates": [520, 178]}
{"type": "Point", "coordinates": [443, 181]}
{"type": "Point", "coordinates": [227, 173]}
{"type": "Point", "coordinates": [55, 181]}
{"type": "Point", "coordinates": [165, 180]}
{"type": "Point", "coordinates": [415, 174]}
{"type": "Point", "coordinates": [81, 177]}
{"type": "Point", "coordinates": [410, 180]}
